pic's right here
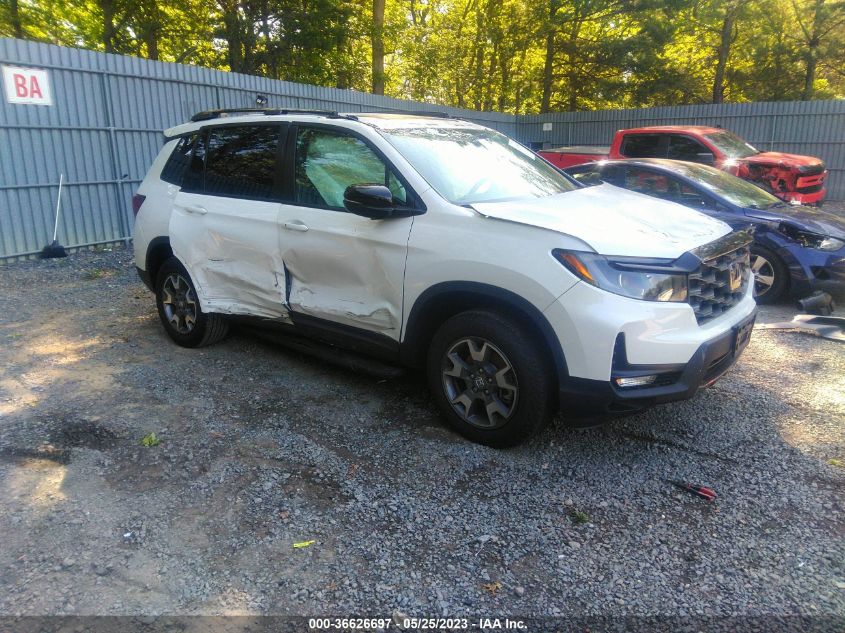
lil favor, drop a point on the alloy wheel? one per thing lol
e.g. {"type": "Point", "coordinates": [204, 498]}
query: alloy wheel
{"type": "Point", "coordinates": [764, 274]}
{"type": "Point", "coordinates": [180, 304]}
{"type": "Point", "coordinates": [480, 382]}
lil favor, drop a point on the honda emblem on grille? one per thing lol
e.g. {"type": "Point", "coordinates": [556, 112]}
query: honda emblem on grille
{"type": "Point", "coordinates": [735, 276]}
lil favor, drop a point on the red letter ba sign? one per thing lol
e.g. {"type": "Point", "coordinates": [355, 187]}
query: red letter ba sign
{"type": "Point", "coordinates": [27, 85]}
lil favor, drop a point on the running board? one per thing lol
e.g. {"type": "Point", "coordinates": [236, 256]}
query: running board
{"type": "Point", "coordinates": [328, 353]}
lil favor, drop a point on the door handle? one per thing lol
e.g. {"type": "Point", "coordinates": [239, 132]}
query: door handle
{"type": "Point", "coordinates": [196, 210]}
{"type": "Point", "coordinates": [296, 225]}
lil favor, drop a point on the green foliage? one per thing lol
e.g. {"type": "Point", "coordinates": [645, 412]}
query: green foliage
{"type": "Point", "coordinates": [519, 56]}
{"type": "Point", "coordinates": [150, 440]}
{"type": "Point", "coordinates": [579, 518]}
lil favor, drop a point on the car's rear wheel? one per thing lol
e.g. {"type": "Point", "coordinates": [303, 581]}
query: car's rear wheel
{"type": "Point", "coordinates": [490, 378]}
{"type": "Point", "coordinates": [179, 309]}
{"type": "Point", "coordinates": [771, 277]}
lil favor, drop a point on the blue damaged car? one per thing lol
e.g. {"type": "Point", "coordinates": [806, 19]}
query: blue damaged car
{"type": "Point", "coordinates": [796, 249]}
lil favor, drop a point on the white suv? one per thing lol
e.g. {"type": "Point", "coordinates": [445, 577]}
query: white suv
{"type": "Point", "coordinates": [436, 243]}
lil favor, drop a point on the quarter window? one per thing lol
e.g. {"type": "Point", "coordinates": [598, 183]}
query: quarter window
{"type": "Point", "coordinates": [241, 161]}
{"type": "Point", "coordinates": [192, 178]}
{"type": "Point", "coordinates": [327, 162]}
{"type": "Point", "coordinates": [175, 167]}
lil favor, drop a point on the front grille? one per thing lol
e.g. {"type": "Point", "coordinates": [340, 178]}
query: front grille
{"type": "Point", "coordinates": [719, 283]}
{"type": "Point", "coordinates": [811, 189]}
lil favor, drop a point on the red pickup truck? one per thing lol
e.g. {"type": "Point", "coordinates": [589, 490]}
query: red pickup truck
{"type": "Point", "coordinates": [793, 178]}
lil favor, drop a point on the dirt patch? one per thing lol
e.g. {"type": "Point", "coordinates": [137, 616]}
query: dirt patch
{"type": "Point", "coordinates": [46, 452]}
{"type": "Point", "coordinates": [82, 434]}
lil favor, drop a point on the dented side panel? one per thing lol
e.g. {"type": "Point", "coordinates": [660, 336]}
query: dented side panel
{"type": "Point", "coordinates": [345, 268]}
{"type": "Point", "coordinates": [231, 250]}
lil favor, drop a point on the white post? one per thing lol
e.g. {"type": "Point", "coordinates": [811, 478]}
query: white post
{"type": "Point", "coordinates": [58, 207]}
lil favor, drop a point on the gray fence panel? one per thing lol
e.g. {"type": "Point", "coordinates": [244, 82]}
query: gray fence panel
{"type": "Point", "coordinates": [105, 129]}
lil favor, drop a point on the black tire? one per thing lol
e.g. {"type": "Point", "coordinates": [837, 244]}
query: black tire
{"type": "Point", "coordinates": [206, 329]}
{"type": "Point", "coordinates": [772, 266]}
{"type": "Point", "coordinates": [511, 351]}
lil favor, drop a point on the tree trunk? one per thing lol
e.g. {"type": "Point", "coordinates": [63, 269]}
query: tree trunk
{"type": "Point", "coordinates": [548, 65]}
{"type": "Point", "coordinates": [723, 52]}
{"type": "Point", "coordinates": [573, 64]}
{"type": "Point", "coordinates": [547, 73]}
{"type": "Point", "coordinates": [232, 33]}
{"type": "Point", "coordinates": [151, 42]}
{"type": "Point", "coordinates": [107, 7]}
{"type": "Point", "coordinates": [809, 75]}
{"type": "Point", "coordinates": [811, 55]}
{"type": "Point", "coordinates": [17, 26]}
{"type": "Point", "coordinates": [151, 29]}
{"type": "Point", "coordinates": [378, 47]}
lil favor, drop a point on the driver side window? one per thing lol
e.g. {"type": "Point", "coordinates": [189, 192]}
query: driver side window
{"type": "Point", "coordinates": [686, 148]}
{"type": "Point", "coordinates": [327, 162]}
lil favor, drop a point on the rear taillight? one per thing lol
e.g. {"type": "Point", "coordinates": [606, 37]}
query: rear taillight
{"type": "Point", "coordinates": [137, 201]}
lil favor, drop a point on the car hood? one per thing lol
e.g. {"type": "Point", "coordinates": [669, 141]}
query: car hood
{"type": "Point", "coordinates": [804, 218]}
{"type": "Point", "coordinates": [782, 159]}
{"type": "Point", "coordinates": [614, 221]}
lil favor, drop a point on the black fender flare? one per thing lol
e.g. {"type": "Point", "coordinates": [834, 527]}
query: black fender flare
{"type": "Point", "coordinates": [446, 299]}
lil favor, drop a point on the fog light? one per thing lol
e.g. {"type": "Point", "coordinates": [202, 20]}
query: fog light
{"type": "Point", "coordinates": [636, 381]}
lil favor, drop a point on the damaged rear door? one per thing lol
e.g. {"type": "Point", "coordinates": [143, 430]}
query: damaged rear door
{"type": "Point", "coordinates": [344, 273]}
{"type": "Point", "coordinates": [224, 224]}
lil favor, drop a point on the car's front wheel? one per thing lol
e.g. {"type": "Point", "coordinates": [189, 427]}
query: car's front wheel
{"type": "Point", "coordinates": [490, 378]}
{"type": "Point", "coordinates": [771, 277]}
{"type": "Point", "coordinates": [179, 309]}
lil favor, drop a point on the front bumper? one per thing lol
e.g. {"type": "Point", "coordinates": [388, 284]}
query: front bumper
{"type": "Point", "coordinates": [814, 196]}
{"type": "Point", "coordinates": [811, 269]}
{"type": "Point", "coordinates": [674, 382]}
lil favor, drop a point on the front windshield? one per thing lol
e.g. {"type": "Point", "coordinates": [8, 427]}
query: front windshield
{"type": "Point", "coordinates": [740, 192]}
{"type": "Point", "coordinates": [469, 165]}
{"type": "Point", "coordinates": [731, 145]}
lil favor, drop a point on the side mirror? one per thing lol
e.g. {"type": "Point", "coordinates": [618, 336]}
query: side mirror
{"type": "Point", "coordinates": [705, 158]}
{"type": "Point", "coordinates": [374, 202]}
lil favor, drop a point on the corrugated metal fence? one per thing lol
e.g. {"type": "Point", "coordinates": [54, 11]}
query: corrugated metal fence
{"type": "Point", "coordinates": [105, 127]}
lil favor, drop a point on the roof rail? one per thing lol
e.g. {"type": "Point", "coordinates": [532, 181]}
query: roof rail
{"type": "Point", "coordinates": [429, 113]}
{"type": "Point", "coordinates": [207, 115]}
{"type": "Point", "coordinates": [426, 113]}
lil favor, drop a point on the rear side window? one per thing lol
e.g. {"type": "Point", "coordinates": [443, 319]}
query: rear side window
{"type": "Point", "coordinates": [650, 183]}
{"type": "Point", "coordinates": [641, 145]}
{"type": "Point", "coordinates": [614, 175]}
{"type": "Point", "coordinates": [241, 161]}
{"type": "Point", "coordinates": [175, 167]}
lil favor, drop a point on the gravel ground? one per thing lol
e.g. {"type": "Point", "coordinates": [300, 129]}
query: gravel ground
{"type": "Point", "coordinates": [262, 448]}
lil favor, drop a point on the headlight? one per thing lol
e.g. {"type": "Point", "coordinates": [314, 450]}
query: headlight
{"type": "Point", "coordinates": [816, 169]}
{"type": "Point", "coordinates": [629, 277]}
{"type": "Point", "coordinates": [811, 240]}
{"type": "Point", "coordinates": [830, 244]}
